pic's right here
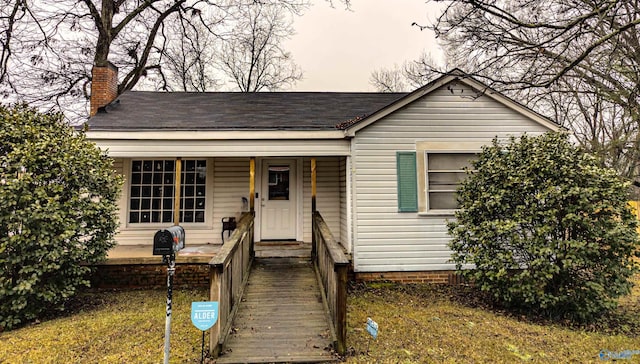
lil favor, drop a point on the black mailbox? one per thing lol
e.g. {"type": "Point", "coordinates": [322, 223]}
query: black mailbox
{"type": "Point", "coordinates": [168, 241]}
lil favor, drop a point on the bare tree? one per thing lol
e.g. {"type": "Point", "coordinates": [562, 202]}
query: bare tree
{"type": "Point", "coordinates": [577, 60]}
{"type": "Point", "coordinates": [408, 77]}
{"type": "Point", "coordinates": [189, 59]}
{"type": "Point", "coordinates": [252, 56]}
{"type": "Point", "coordinates": [10, 13]}
{"type": "Point", "coordinates": [53, 45]}
{"type": "Point", "coordinates": [389, 79]}
{"type": "Point", "coordinates": [49, 48]}
{"type": "Point", "coordinates": [246, 53]}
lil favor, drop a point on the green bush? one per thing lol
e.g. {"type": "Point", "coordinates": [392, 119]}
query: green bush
{"type": "Point", "coordinates": [545, 228]}
{"type": "Point", "coordinates": [58, 197]}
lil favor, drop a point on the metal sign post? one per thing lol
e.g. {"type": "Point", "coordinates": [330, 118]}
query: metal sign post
{"type": "Point", "coordinates": [171, 269]}
{"type": "Point", "coordinates": [372, 329]}
{"type": "Point", "coordinates": [167, 242]}
{"type": "Point", "coordinates": [203, 316]}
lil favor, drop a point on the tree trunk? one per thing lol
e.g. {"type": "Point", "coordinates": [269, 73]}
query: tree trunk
{"type": "Point", "coordinates": [104, 23]}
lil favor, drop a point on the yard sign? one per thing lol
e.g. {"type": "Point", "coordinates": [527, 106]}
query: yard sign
{"type": "Point", "coordinates": [372, 327]}
{"type": "Point", "coordinates": [204, 314]}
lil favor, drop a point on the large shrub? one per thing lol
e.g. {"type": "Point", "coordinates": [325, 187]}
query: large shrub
{"type": "Point", "coordinates": [57, 211]}
{"type": "Point", "coordinates": [544, 228]}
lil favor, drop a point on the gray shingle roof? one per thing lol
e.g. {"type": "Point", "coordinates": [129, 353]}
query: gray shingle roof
{"type": "Point", "coordinates": [138, 110]}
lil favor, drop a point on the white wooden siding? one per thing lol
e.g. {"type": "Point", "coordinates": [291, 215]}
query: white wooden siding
{"type": "Point", "coordinates": [230, 185]}
{"type": "Point", "coordinates": [328, 194]}
{"type": "Point", "coordinates": [328, 198]}
{"type": "Point", "coordinates": [385, 239]}
{"type": "Point", "coordinates": [306, 199]}
{"type": "Point", "coordinates": [118, 167]}
{"type": "Point", "coordinates": [344, 213]}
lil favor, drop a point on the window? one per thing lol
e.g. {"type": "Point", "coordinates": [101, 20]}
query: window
{"type": "Point", "coordinates": [151, 195]}
{"type": "Point", "coordinates": [444, 173]}
{"type": "Point", "coordinates": [278, 183]}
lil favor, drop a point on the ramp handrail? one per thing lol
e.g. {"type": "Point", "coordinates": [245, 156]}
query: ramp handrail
{"type": "Point", "coordinates": [229, 273]}
{"type": "Point", "coordinates": [332, 265]}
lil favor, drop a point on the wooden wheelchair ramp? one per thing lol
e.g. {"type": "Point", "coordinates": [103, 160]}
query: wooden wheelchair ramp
{"type": "Point", "coordinates": [281, 317]}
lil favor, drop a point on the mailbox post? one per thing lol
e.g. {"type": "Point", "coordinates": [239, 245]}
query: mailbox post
{"type": "Point", "coordinates": [166, 243]}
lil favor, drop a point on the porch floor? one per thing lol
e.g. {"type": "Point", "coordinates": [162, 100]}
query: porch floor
{"type": "Point", "coordinates": [142, 254]}
{"type": "Point", "coordinates": [202, 254]}
{"type": "Point", "coordinates": [281, 317]}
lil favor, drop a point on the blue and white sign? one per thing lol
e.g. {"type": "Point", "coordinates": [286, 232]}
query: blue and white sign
{"type": "Point", "coordinates": [204, 314]}
{"type": "Point", "coordinates": [372, 327]}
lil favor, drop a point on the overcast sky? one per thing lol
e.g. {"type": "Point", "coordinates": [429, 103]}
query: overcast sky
{"type": "Point", "coordinates": [338, 49]}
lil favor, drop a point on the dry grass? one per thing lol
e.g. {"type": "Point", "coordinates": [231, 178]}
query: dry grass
{"type": "Point", "coordinates": [113, 327]}
{"type": "Point", "coordinates": [418, 324]}
{"type": "Point", "coordinates": [427, 324]}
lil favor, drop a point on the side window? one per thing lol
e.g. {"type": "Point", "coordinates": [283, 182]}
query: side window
{"type": "Point", "coordinates": [444, 172]}
{"type": "Point", "coordinates": [151, 194]}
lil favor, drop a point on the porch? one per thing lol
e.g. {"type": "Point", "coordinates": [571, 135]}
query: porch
{"type": "Point", "coordinates": [317, 271]}
{"type": "Point", "coordinates": [215, 190]}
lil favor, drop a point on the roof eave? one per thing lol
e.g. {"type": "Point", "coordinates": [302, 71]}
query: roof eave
{"type": "Point", "coordinates": [213, 134]}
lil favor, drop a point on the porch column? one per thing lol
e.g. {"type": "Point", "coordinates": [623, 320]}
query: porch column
{"type": "Point", "coordinates": [313, 185]}
{"type": "Point", "coordinates": [252, 184]}
{"type": "Point", "coordinates": [314, 249]}
{"type": "Point", "coordinates": [176, 201]}
{"type": "Point", "coordinates": [252, 201]}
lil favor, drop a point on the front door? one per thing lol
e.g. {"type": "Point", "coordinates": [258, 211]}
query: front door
{"type": "Point", "coordinates": [278, 200]}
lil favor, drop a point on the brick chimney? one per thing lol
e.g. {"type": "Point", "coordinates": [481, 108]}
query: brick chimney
{"type": "Point", "coordinates": [104, 86]}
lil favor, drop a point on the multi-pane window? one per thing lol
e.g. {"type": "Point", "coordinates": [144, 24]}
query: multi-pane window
{"type": "Point", "coordinates": [152, 191]}
{"type": "Point", "coordinates": [445, 171]}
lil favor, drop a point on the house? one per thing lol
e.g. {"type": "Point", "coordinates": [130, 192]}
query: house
{"type": "Point", "coordinates": [387, 164]}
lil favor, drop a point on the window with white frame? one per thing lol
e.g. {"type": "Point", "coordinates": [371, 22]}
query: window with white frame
{"type": "Point", "coordinates": [444, 172]}
{"type": "Point", "coordinates": [152, 191]}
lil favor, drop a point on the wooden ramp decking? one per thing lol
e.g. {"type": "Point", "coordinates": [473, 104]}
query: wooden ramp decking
{"type": "Point", "coordinates": [281, 317]}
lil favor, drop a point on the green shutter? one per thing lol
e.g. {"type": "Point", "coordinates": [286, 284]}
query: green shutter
{"type": "Point", "coordinates": [407, 182]}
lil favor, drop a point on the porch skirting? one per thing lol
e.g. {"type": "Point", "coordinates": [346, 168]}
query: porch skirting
{"type": "Point", "coordinates": [191, 275]}
{"type": "Point", "coordinates": [188, 275]}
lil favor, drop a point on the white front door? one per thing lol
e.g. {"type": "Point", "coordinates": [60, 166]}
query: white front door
{"type": "Point", "coordinates": [278, 200]}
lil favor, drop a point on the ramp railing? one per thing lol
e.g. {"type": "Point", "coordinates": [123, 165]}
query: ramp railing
{"type": "Point", "coordinates": [332, 266]}
{"type": "Point", "coordinates": [229, 274]}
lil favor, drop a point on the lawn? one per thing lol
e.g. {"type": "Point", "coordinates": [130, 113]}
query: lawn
{"type": "Point", "coordinates": [112, 327]}
{"type": "Point", "coordinates": [418, 324]}
{"type": "Point", "coordinates": [426, 324]}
